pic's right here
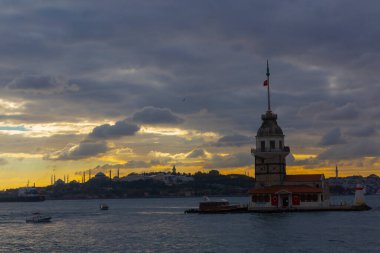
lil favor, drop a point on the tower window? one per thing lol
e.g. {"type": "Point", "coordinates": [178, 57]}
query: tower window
{"type": "Point", "coordinates": [272, 145]}
{"type": "Point", "coordinates": [280, 144]}
{"type": "Point", "coordinates": [262, 145]}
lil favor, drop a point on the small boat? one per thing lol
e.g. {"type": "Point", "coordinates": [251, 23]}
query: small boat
{"type": "Point", "coordinates": [103, 207]}
{"type": "Point", "coordinates": [219, 206]}
{"type": "Point", "coordinates": [38, 218]}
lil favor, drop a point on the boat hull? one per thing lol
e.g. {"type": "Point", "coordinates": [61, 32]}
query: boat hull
{"type": "Point", "coordinates": [244, 209]}
{"type": "Point", "coordinates": [239, 209]}
{"type": "Point", "coordinates": [39, 220]}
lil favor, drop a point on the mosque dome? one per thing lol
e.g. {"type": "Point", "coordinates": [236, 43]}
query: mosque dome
{"type": "Point", "coordinates": [100, 175]}
{"type": "Point", "coordinates": [269, 127]}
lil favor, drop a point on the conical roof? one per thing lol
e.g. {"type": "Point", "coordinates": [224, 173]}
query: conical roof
{"type": "Point", "coordinates": [269, 127]}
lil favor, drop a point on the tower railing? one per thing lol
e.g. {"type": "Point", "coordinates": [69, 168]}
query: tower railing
{"type": "Point", "coordinates": [284, 149]}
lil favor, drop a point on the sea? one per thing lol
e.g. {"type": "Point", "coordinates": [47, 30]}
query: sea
{"type": "Point", "coordinates": [160, 225]}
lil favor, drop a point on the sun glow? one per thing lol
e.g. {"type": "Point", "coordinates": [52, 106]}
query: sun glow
{"type": "Point", "coordinates": [12, 105]}
{"type": "Point", "coordinates": [187, 134]}
{"type": "Point", "coordinates": [304, 156]}
{"type": "Point", "coordinates": [50, 129]}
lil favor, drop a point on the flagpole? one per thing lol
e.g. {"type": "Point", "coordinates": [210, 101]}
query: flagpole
{"type": "Point", "coordinates": [268, 74]}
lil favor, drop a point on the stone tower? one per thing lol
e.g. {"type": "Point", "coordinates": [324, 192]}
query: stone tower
{"type": "Point", "coordinates": [270, 153]}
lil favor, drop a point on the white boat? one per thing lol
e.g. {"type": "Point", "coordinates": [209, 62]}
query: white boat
{"type": "Point", "coordinates": [38, 218]}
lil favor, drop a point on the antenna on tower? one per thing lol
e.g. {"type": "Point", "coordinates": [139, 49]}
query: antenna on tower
{"type": "Point", "coordinates": [268, 74]}
{"type": "Point", "coordinates": [266, 83]}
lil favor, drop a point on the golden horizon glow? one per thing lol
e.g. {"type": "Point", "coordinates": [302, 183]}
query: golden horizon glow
{"type": "Point", "coordinates": [43, 177]}
{"type": "Point", "coordinates": [39, 171]}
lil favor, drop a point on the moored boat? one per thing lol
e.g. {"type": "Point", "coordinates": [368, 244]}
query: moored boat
{"type": "Point", "coordinates": [218, 206]}
{"type": "Point", "coordinates": [103, 207]}
{"type": "Point", "coordinates": [38, 218]}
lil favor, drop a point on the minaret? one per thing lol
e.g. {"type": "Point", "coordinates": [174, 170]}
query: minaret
{"type": "Point", "coordinates": [336, 171]}
{"type": "Point", "coordinates": [270, 153]}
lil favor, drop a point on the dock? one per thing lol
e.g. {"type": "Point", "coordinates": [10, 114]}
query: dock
{"type": "Point", "coordinates": [245, 209]}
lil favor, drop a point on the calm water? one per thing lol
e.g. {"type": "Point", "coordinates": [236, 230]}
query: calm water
{"type": "Point", "coordinates": [159, 225]}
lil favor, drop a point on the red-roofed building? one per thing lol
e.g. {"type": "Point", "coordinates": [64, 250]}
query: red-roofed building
{"type": "Point", "coordinates": [274, 189]}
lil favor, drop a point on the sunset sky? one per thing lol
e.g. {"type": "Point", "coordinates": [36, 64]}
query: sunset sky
{"type": "Point", "coordinates": [144, 85]}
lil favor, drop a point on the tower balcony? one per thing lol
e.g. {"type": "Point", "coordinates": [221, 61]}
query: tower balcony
{"type": "Point", "coordinates": [269, 152]}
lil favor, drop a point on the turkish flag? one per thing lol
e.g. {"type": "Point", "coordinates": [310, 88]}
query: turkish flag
{"type": "Point", "coordinates": [266, 83]}
{"type": "Point", "coordinates": [274, 200]}
{"type": "Point", "coordinates": [296, 200]}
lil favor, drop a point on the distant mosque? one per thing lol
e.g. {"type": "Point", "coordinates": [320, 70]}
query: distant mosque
{"type": "Point", "coordinates": [274, 189]}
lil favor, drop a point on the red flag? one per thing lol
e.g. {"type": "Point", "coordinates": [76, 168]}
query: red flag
{"type": "Point", "coordinates": [274, 200]}
{"type": "Point", "coordinates": [266, 83]}
{"type": "Point", "coordinates": [296, 200]}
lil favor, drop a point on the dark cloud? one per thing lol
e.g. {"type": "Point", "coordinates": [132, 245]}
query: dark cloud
{"type": "Point", "coordinates": [362, 131]}
{"type": "Point", "coordinates": [202, 60]}
{"type": "Point", "coordinates": [333, 137]}
{"type": "Point", "coordinates": [41, 84]}
{"type": "Point", "coordinates": [95, 143]}
{"type": "Point", "coordinates": [84, 149]}
{"type": "Point", "coordinates": [234, 140]}
{"type": "Point", "coordinates": [361, 149]}
{"type": "Point", "coordinates": [133, 164]}
{"type": "Point", "coordinates": [345, 112]}
{"type": "Point", "coordinates": [229, 161]}
{"type": "Point", "coordinates": [308, 162]}
{"type": "Point", "coordinates": [137, 164]}
{"type": "Point", "coordinates": [197, 153]}
{"type": "Point", "coordinates": [152, 115]}
{"type": "Point", "coordinates": [119, 129]}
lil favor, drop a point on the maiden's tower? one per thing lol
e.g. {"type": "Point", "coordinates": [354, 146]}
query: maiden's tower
{"type": "Point", "coordinates": [274, 189]}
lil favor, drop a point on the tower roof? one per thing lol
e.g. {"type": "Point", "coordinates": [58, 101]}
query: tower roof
{"type": "Point", "coordinates": [269, 127]}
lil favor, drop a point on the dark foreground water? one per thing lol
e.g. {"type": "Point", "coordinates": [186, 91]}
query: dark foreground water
{"type": "Point", "coordinates": [159, 225]}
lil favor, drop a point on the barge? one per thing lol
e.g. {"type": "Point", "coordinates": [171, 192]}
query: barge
{"type": "Point", "coordinates": [219, 206]}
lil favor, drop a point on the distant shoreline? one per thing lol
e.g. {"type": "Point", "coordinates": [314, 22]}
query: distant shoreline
{"type": "Point", "coordinates": [151, 197]}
